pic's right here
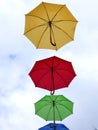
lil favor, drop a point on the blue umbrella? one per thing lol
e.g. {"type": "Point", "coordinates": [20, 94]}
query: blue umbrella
{"type": "Point", "coordinates": [52, 126]}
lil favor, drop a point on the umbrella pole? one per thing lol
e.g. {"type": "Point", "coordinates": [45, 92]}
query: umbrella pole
{"type": "Point", "coordinates": [52, 79]}
{"type": "Point", "coordinates": [54, 115]}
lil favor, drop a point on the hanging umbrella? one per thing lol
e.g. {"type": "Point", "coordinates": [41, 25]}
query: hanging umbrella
{"type": "Point", "coordinates": [51, 126]}
{"type": "Point", "coordinates": [54, 107]}
{"type": "Point", "coordinates": [50, 26]}
{"type": "Point", "coordinates": [52, 73]}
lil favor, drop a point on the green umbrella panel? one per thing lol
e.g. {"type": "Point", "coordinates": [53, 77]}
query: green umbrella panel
{"type": "Point", "coordinates": [54, 107]}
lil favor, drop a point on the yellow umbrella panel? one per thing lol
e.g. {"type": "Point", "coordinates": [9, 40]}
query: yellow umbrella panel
{"type": "Point", "coordinates": [50, 26]}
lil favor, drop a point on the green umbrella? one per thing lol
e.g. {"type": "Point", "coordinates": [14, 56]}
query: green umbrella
{"type": "Point", "coordinates": [54, 107]}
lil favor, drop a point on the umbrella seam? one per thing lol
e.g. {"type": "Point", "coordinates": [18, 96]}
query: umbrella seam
{"type": "Point", "coordinates": [36, 17]}
{"type": "Point", "coordinates": [42, 36]}
{"type": "Point", "coordinates": [35, 27]}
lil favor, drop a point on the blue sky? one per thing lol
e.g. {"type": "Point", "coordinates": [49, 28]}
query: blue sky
{"type": "Point", "coordinates": [18, 55]}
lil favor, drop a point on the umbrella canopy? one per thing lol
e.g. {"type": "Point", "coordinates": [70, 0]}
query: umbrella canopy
{"type": "Point", "coordinates": [52, 73]}
{"type": "Point", "coordinates": [54, 107]}
{"type": "Point", "coordinates": [51, 126]}
{"type": "Point", "coordinates": [50, 26]}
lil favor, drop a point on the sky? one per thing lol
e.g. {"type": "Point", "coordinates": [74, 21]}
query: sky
{"type": "Point", "coordinates": [18, 55]}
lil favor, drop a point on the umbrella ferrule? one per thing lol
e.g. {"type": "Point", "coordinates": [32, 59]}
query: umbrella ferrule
{"type": "Point", "coordinates": [50, 23]}
{"type": "Point", "coordinates": [53, 103]}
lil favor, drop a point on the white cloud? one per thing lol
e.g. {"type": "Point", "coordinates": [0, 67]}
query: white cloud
{"type": "Point", "coordinates": [10, 7]}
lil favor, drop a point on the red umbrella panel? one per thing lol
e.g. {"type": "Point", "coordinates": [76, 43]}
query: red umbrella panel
{"type": "Point", "coordinates": [52, 73]}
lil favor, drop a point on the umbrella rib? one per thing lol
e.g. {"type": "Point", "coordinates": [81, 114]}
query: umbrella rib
{"type": "Point", "coordinates": [61, 77]}
{"type": "Point", "coordinates": [59, 113]}
{"type": "Point", "coordinates": [37, 17]}
{"type": "Point", "coordinates": [42, 77]}
{"type": "Point", "coordinates": [43, 106]}
{"type": "Point", "coordinates": [48, 103]}
{"type": "Point", "coordinates": [48, 112]}
{"type": "Point", "coordinates": [42, 35]}
{"type": "Point", "coordinates": [35, 27]}
{"type": "Point", "coordinates": [63, 69]}
{"type": "Point", "coordinates": [39, 109]}
{"type": "Point", "coordinates": [58, 12]}
{"type": "Point", "coordinates": [39, 69]}
{"type": "Point", "coordinates": [57, 108]}
{"type": "Point", "coordinates": [59, 63]}
{"type": "Point", "coordinates": [46, 64]}
{"type": "Point", "coordinates": [68, 71]}
{"type": "Point", "coordinates": [46, 11]}
{"type": "Point", "coordinates": [65, 106]}
{"type": "Point", "coordinates": [64, 21]}
{"type": "Point", "coordinates": [63, 31]}
{"type": "Point", "coordinates": [44, 67]}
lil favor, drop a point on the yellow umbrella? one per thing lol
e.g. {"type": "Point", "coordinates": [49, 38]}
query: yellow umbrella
{"type": "Point", "coordinates": [50, 26]}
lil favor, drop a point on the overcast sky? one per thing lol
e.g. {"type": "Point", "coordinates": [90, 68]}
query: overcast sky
{"type": "Point", "coordinates": [18, 55]}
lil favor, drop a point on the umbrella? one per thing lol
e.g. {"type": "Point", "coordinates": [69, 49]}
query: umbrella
{"type": "Point", "coordinates": [52, 73]}
{"type": "Point", "coordinates": [50, 26]}
{"type": "Point", "coordinates": [54, 107]}
{"type": "Point", "coordinates": [51, 126]}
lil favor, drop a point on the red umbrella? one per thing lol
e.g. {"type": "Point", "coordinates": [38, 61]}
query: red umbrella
{"type": "Point", "coordinates": [52, 73]}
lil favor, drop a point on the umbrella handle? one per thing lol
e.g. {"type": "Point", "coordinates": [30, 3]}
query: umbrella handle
{"type": "Point", "coordinates": [54, 44]}
{"type": "Point", "coordinates": [52, 92]}
{"type": "Point", "coordinates": [53, 126]}
{"type": "Point", "coordinates": [51, 32]}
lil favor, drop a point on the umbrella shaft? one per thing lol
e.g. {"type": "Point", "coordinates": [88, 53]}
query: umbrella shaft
{"type": "Point", "coordinates": [54, 113]}
{"type": "Point", "coordinates": [52, 79]}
